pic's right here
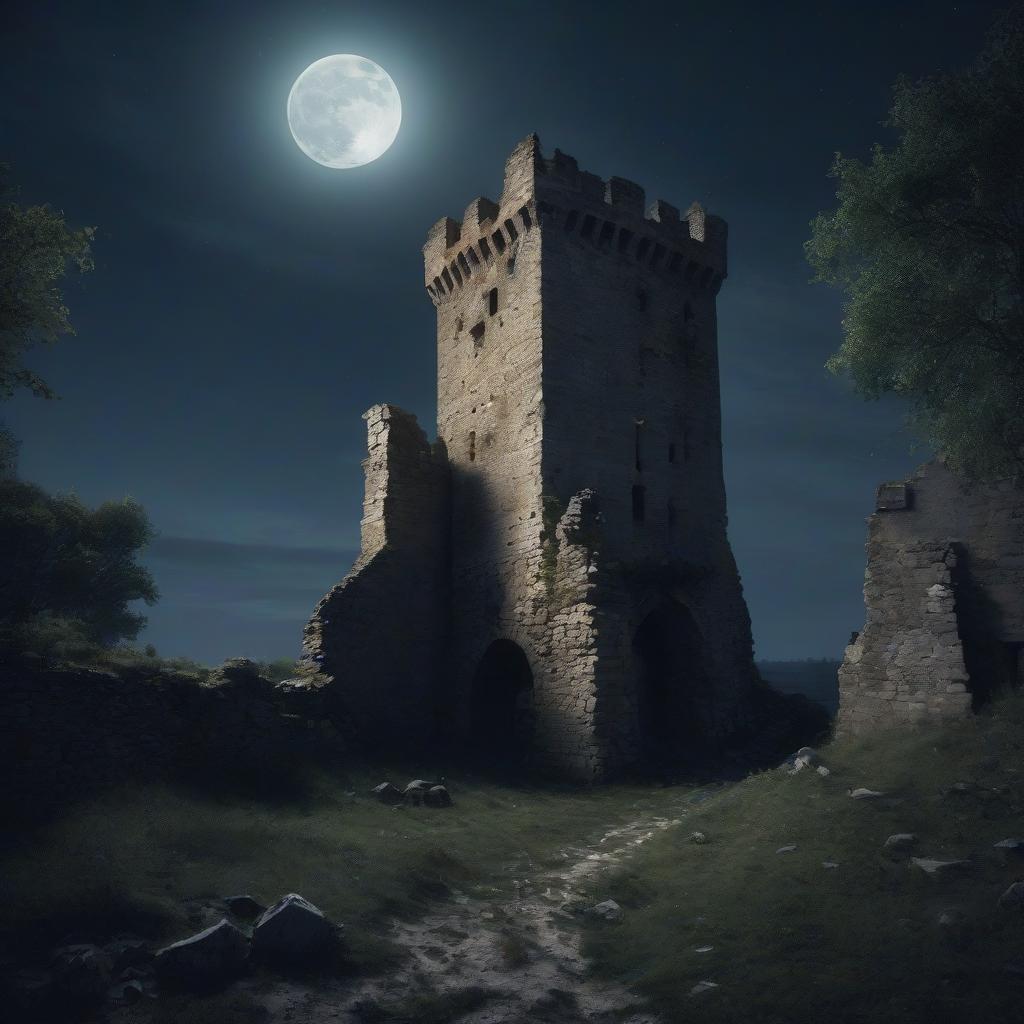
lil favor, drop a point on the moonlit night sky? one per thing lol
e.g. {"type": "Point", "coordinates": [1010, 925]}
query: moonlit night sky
{"type": "Point", "coordinates": [248, 304]}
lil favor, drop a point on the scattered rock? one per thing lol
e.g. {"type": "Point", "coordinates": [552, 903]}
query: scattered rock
{"type": "Point", "coordinates": [82, 970]}
{"type": "Point", "coordinates": [292, 929]}
{"type": "Point", "coordinates": [786, 849]}
{"type": "Point", "coordinates": [246, 907]}
{"type": "Point", "coordinates": [700, 838]}
{"type": "Point", "coordinates": [951, 917]}
{"type": "Point", "coordinates": [1010, 847]}
{"type": "Point", "coordinates": [865, 794]}
{"type": "Point", "coordinates": [703, 986]}
{"type": "Point", "coordinates": [607, 910]}
{"type": "Point", "coordinates": [961, 789]}
{"type": "Point", "coordinates": [127, 951]}
{"type": "Point", "coordinates": [937, 868]}
{"type": "Point", "coordinates": [388, 794]}
{"type": "Point", "coordinates": [1013, 898]}
{"type": "Point", "coordinates": [127, 993]}
{"type": "Point", "coordinates": [207, 958]}
{"type": "Point", "coordinates": [437, 796]}
{"type": "Point", "coordinates": [822, 771]}
{"type": "Point", "coordinates": [704, 949]}
{"type": "Point", "coordinates": [901, 841]}
{"type": "Point", "coordinates": [829, 864]}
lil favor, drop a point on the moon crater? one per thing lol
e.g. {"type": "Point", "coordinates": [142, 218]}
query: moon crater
{"type": "Point", "coordinates": [344, 111]}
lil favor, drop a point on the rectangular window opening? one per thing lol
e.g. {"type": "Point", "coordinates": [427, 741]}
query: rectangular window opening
{"type": "Point", "coordinates": [607, 231]}
{"type": "Point", "coordinates": [625, 237]}
{"type": "Point", "coordinates": [570, 221]}
{"type": "Point", "coordinates": [472, 446]}
{"type": "Point", "coordinates": [473, 258]}
{"type": "Point", "coordinates": [511, 229]}
{"type": "Point", "coordinates": [524, 216]}
{"type": "Point", "coordinates": [657, 255]}
{"type": "Point", "coordinates": [476, 332]}
{"type": "Point", "coordinates": [485, 249]}
{"type": "Point", "coordinates": [447, 278]}
{"type": "Point", "coordinates": [499, 240]}
{"type": "Point", "coordinates": [588, 225]}
{"type": "Point", "coordinates": [454, 268]}
{"type": "Point", "coordinates": [636, 446]}
{"type": "Point", "coordinates": [672, 451]}
{"type": "Point", "coordinates": [464, 265]}
{"type": "Point", "coordinates": [639, 492]}
{"type": "Point", "coordinates": [641, 249]}
{"type": "Point", "coordinates": [492, 302]}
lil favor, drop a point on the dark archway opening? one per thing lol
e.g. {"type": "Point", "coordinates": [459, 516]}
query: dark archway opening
{"type": "Point", "coordinates": [501, 704]}
{"type": "Point", "coordinates": [673, 692]}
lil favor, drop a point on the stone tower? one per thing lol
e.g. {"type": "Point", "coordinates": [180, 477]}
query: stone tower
{"type": "Point", "coordinates": [552, 578]}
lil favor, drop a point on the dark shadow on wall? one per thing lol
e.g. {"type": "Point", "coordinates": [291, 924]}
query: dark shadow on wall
{"type": "Point", "coordinates": [500, 705]}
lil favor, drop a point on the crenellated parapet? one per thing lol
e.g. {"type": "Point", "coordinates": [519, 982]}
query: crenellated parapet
{"type": "Point", "coordinates": [610, 216]}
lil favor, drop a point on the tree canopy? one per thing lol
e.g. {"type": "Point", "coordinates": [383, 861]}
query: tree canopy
{"type": "Point", "coordinates": [927, 243]}
{"type": "Point", "coordinates": [36, 249]}
{"type": "Point", "coordinates": [66, 561]}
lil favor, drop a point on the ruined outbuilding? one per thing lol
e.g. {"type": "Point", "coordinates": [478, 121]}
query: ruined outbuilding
{"type": "Point", "coordinates": [944, 594]}
{"type": "Point", "coordinates": [551, 579]}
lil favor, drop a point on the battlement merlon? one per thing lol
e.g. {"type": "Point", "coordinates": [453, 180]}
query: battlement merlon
{"type": "Point", "coordinates": [557, 184]}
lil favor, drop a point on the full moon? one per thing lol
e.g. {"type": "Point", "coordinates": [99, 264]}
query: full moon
{"type": "Point", "coordinates": [344, 111]}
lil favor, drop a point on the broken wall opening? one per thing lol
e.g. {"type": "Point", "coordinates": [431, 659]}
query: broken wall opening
{"type": "Point", "coordinates": [501, 704]}
{"type": "Point", "coordinates": [673, 691]}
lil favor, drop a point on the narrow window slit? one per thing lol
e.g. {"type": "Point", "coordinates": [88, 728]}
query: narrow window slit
{"type": "Point", "coordinates": [638, 503]}
{"type": "Point", "coordinates": [607, 231]}
{"type": "Point", "coordinates": [672, 451]}
{"type": "Point", "coordinates": [625, 237]}
{"type": "Point", "coordinates": [473, 258]}
{"type": "Point", "coordinates": [657, 255]}
{"type": "Point", "coordinates": [588, 225]}
{"type": "Point", "coordinates": [570, 221]}
{"type": "Point", "coordinates": [641, 249]}
{"type": "Point", "coordinates": [456, 273]}
{"type": "Point", "coordinates": [511, 229]}
{"type": "Point", "coordinates": [499, 240]}
{"type": "Point", "coordinates": [492, 302]}
{"type": "Point", "coordinates": [524, 216]}
{"type": "Point", "coordinates": [464, 266]}
{"type": "Point", "coordinates": [485, 249]}
{"type": "Point", "coordinates": [448, 280]}
{"type": "Point", "coordinates": [472, 446]}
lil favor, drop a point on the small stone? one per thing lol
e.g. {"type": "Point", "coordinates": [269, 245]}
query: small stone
{"type": "Point", "coordinates": [607, 910]}
{"type": "Point", "coordinates": [704, 949]}
{"type": "Point", "coordinates": [1010, 847]}
{"type": "Point", "coordinates": [865, 794]}
{"type": "Point", "coordinates": [786, 849]}
{"type": "Point", "coordinates": [900, 841]}
{"type": "Point", "coordinates": [388, 794]}
{"type": "Point", "coordinates": [829, 864]}
{"type": "Point", "coordinates": [1013, 898]}
{"type": "Point", "coordinates": [950, 917]}
{"type": "Point", "coordinates": [940, 867]}
{"type": "Point", "coordinates": [703, 986]}
{"type": "Point", "coordinates": [211, 956]}
{"type": "Point", "coordinates": [437, 796]}
{"type": "Point", "coordinates": [700, 838]}
{"type": "Point", "coordinates": [292, 929]}
{"type": "Point", "coordinates": [822, 771]}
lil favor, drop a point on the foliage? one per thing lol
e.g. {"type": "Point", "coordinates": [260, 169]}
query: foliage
{"type": "Point", "coordinates": [927, 243]}
{"type": "Point", "coordinates": [64, 561]}
{"type": "Point", "coordinates": [36, 249]}
{"type": "Point", "coordinates": [279, 669]}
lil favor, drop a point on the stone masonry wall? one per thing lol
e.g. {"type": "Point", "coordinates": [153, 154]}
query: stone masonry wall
{"type": "Point", "coordinates": [944, 595]}
{"type": "Point", "coordinates": [577, 359]}
{"type": "Point", "coordinates": [378, 637]}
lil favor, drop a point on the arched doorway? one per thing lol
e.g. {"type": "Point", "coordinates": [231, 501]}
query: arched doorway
{"type": "Point", "coordinates": [672, 685]}
{"type": "Point", "coordinates": [500, 702]}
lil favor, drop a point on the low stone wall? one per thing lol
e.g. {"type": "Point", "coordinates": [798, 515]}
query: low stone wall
{"type": "Point", "coordinates": [65, 732]}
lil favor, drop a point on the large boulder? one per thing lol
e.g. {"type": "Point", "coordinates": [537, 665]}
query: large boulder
{"type": "Point", "coordinates": [437, 796]}
{"type": "Point", "coordinates": [293, 930]}
{"type": "Point", "coordinates": [388, 794]}
{"type": "Point", "coordinates": [210, 957]}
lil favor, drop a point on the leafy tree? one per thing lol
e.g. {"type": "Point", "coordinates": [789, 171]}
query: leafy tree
{"type": "Point", "coordinates": [68, 562]}
{"type": "Point", "coordinates": [36, 249]}
{"type": "Point", "coordinates": [927, 243]}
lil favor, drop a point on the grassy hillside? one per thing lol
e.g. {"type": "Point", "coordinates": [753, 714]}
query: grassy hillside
{"type": "Point", "coordinates": [872, 938]}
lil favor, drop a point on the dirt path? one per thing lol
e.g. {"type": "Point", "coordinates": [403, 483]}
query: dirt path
{"type": "Point", "coordinates": [500, 957]}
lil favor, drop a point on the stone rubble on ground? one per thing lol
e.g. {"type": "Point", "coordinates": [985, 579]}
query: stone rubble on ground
{"type": "Point", "coordinates": [1013, 898]}
{"type": "Point", "coordinates": [703, 986]}
{"type": "Point", "coordinates": [786, 849]}
{"type": "Point", "coordinates": [937, 868]}
{"type": "Point", "coordinates": [607, 910]}
{"type": "Point", "coordinates": [388, 794]}
{"type": "Point", "coordinates": [700, 838]}
{"type": "Point", "coordinates": [865, 794]}
{"type": "Point", "coordinates": [209, 957]}
{"type": "Point", "coordinates": [292, 929]}
{"type": "Point", "coordinates": [900, 841]}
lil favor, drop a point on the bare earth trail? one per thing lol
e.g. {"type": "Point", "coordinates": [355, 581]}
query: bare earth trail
{"type": "Point", "coordinates": [521, 945]}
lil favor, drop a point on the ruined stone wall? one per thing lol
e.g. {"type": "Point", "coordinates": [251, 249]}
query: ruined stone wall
{"type": "Point", "coordinates": [378, 637]}
{"type": "Point", "coordinates": [67, 732]}
{"type": "Point", "coordinates": [944, 595]}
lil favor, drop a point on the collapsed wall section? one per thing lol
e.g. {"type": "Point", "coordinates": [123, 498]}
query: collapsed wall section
{"type": "Point", "coordinates": [944, 595]}
{"type": "Point", "coordinates": [376, 641]}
